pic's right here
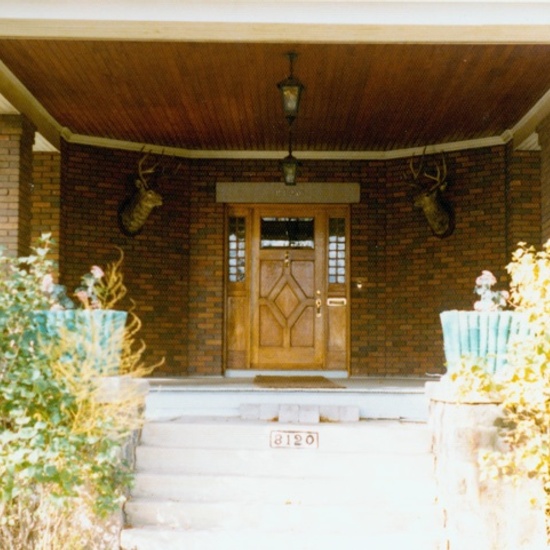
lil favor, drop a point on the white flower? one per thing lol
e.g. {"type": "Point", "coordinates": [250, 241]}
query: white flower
{"type": "Point", "coordinates": [486, 279]}
{"type": "Point", "coordinates": [46, 285]}
{"type": "Point", "coordinates": [490, 300]}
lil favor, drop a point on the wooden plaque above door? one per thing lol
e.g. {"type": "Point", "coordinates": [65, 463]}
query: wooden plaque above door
{"type": "Point", "coordinates": [279, 193]}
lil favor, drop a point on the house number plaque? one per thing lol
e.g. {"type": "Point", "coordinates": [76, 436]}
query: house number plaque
{"type": "Point", "coordinates": [294, 440]}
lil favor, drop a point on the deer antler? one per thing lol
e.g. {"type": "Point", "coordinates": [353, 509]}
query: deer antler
{"type": "Point", "coordinates": [416, 173]}
{"type": "Point", "coordinates": [438, 178]}
{"type": "Point", "coordinates": [142, 174]}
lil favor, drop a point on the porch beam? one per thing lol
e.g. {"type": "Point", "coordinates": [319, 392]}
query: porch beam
{"type": "Point", "coordinates": [24, 102]}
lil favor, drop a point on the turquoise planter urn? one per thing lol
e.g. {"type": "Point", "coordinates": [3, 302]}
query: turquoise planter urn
{"type": "Point", "coordinates": [91, 336]}
{"type": "Point", "coordinates": [481, 335]}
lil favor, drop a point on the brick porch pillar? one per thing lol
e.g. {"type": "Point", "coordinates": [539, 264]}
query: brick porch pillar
{"type": "Point", "coordinates": [544, 139]}
{"type": "Point", "coordinates": [16, 141]}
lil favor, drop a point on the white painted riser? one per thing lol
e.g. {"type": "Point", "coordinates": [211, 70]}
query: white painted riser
{"type": "Point", "coordinates": [172, 403]}
{"type": "Point", "coordinates": [280, 462]}
{"type": "Point", "coordinates": [375, 492]}
{"type": "Point", "coordinates": [150, 538]}
{"type": "Point", "coordinates": [232, 433]}
{"type": "Point", "coordinates": [273, 518]}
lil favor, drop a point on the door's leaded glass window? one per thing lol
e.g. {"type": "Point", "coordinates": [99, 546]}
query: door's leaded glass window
{"type": "Point", "coordinates": [237, 249]}
{"type": "Point", "coordinates": [337, 250]}
{"type": "Point", "coordinates": [287, 233]}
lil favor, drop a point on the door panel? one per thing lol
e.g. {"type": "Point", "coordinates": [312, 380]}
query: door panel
{"type": "Point", "coordinates": [287, 249]}
{"type": "Point", "coordinates": [287, 332]}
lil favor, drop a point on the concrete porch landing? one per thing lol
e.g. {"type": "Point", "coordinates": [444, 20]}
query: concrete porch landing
{"type": "Point", "coordinates": [399, 398]}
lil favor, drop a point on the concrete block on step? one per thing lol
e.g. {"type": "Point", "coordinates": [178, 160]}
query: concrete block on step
{"type": "Point", "coordinates": [329, 413]}
{"type": "Point", "coordinates": [349, 414]}
{"type": "Point", "coordinates": [289, 413]}
{"type": "Point", "coordinates": [309, 414]}
{"type": "Point", "coordinates": [269, 411]}
{"type": "Point", "coordinates": [249, 411]}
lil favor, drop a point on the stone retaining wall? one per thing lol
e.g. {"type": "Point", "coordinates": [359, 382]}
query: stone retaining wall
{"type": "Point", "coordinates": [485, 515]}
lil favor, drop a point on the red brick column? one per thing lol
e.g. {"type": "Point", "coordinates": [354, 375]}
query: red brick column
{"type": "Point", "coordinates": [544, 139]}
{"type": "Point", "coordinates": [523, 199]}
{"type": "Point", "coordinates": [16, 141]}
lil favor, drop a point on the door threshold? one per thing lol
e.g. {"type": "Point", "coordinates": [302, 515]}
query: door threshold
{"type": "Point", "coordinates": [248, 373]}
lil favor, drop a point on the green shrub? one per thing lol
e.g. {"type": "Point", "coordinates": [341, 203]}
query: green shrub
{"type": "Point", "coordinates": [62, 472]}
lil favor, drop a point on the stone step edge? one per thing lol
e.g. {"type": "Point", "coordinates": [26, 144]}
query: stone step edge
{"type": "Point", "coordinates": [404, 508]}
{"type": "Point", "coordinates": [299, 414]}
{"type": "Point", "coordinates": [255, 419]}
{"type": "Point", "coordinates": [372, 507]}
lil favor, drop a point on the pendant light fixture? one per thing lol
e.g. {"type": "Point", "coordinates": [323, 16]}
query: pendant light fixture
{"type": "Point", "coordinates": [290, 163]}
{"type": "Point", "coordinates": [291, 90]}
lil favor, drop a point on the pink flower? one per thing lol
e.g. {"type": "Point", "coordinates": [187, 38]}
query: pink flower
{"type": "Point", "coordinates": [97, 272]}
{"type": "Point", "coordinates": [82, 295]}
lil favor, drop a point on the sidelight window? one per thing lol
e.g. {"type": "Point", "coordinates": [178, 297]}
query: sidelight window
{"type": "Point", "coordinates": [337, 251]}
{"type": "Point", "coordinates": [237, 249]}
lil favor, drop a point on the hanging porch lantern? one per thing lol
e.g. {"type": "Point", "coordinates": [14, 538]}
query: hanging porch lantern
{"type": "Point", "coordinates": [290, 163]}
{"type": "Point", "coordinates": [291, 90]}
{"type": "Point", "coordinates": [290, 168]}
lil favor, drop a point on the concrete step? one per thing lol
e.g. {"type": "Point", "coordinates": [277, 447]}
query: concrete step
{"type": "Point", "coordinates": [234, 433]}
{"type": "Point", "coordinates": [363, 490]}
{"type": "Point", "coordinates": [219, 483]}
{"type": "Point", "coordinates": [273, 518]}
{"type": "Point", "coordinates": [278, 462]}
{"type": "Point", "coordinates": [158, 538]}
{"type": "Point", "coordinates": [376, 398]}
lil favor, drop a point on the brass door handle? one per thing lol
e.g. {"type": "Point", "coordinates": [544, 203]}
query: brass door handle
{"type": "Point", "coordinates": [318, 304]}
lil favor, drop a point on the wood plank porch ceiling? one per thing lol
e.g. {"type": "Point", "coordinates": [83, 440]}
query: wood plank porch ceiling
{"type": "Point", "coordinates": [223, 96]}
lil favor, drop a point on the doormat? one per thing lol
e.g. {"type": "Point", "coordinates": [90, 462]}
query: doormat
{"type": "Point", "coordinates": [299, 382]}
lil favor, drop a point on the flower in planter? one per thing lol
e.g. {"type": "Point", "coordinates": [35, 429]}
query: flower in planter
{"type": "Point", "coordinates": [56, 294]}
{"type": "Point", "coordinates": [97, 290]}
{"type": "Point", "coordinates": [88, 292]}
{"type": "Point", "coordinates": [490, 300]}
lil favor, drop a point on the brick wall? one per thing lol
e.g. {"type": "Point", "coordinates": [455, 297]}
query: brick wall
{"type": "Point", "coordinates": [412, 275]}
{"type": "Point", "coordinates": [174, 269]}
{"type": "Point", "coordinates": [94, 182]}
{"type": "Point", "coordinates": [45, 197]}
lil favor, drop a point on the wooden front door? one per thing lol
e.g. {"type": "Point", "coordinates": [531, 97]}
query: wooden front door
{"type": "Point", "coordinates": [288, 310]}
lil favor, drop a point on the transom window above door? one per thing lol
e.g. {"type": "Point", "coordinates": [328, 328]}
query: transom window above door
{"type": "Point", "coordinates": [287, 233]}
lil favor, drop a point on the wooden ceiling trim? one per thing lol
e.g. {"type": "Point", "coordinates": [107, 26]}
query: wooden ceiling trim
{"type": "Point", "coordinates": [525, 127]}
{"type": "Point", "coordinates": [212, 154]}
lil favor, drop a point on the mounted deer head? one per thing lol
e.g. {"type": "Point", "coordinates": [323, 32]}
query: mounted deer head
{"type": "Point", "coordinates": [134, 212]}
{"type": "Point", "coordinates": [429, 197]}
